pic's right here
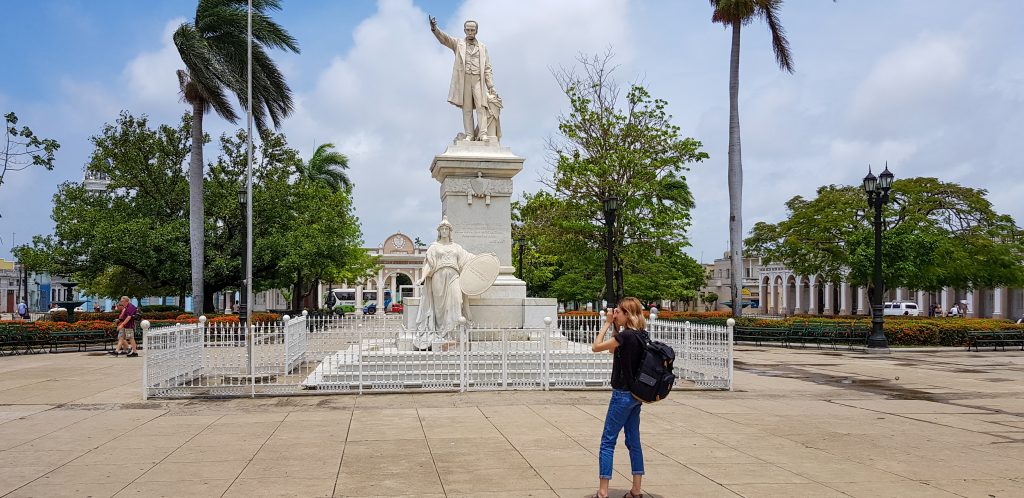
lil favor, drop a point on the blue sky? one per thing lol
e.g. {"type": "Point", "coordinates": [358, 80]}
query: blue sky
{"type": "Point", "coordinates": [935, 91]}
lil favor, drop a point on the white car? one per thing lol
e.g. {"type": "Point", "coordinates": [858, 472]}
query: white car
{"type": "Point", "coordinates": [906, 308]}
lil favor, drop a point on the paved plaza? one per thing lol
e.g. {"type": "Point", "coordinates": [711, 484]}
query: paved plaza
{"type": "Point", "coordinates": [800, 423]}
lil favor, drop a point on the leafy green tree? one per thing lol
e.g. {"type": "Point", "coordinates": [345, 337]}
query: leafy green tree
{"type": "Point", "coordinates": [328, 166]}
{"type": "Point", "coordinates": [736, 14]}
{"type": "Point", "coordinates": [136, 226]}
{"type": "Point", "coordinates": [609, 146]}
{"type": "Point", "coordinates": [132, 237]}
{"type": "Point", "coordinates": [214, 49]}
{"type": "Point", "coordinates": [937, 234]}
{"type": "Point", "coordinates": [22, 148]}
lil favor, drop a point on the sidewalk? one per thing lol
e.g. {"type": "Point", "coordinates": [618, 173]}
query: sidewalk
{"type": "Point", "coordinates": [800, 423]}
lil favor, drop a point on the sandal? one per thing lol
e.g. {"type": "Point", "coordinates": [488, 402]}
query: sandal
{"type": "Point", "coordinates": [629, 494]}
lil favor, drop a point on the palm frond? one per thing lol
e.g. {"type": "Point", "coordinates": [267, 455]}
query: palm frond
{"type": "Point", "coordinates": [205, 73]}
{"type": "Point", "coordinates": [769, 10]}
{"type": "Point", "coordinates": [215, 52]}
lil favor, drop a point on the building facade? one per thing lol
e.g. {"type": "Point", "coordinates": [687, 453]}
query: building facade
{"type": "Point", "coordinates": [787, 293]}
{"type": "Point", "coordinates": [400, 263]}
{"type": "Point", "coordinates": [719, 282]}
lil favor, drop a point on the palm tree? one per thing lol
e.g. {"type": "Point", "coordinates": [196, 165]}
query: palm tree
{"type": "Point", "coordinates": [214, 49]}
{"type": "Point", "coordinates": [327, 165]}
{"type": "Point", "coordinates": [736, 13]}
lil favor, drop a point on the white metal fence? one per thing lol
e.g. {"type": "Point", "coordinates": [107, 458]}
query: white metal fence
{"type": "Point", "coordinates": [363, 354]}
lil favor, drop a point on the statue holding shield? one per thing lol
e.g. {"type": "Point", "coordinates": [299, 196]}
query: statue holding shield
{"type": "Point", "coordinates": [449, 274]}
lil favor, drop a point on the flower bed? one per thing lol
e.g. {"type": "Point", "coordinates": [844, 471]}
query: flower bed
{"type": "Point", "coordinates": [899, 330]}
{"type": "Point", "coordinates": [39, 331]}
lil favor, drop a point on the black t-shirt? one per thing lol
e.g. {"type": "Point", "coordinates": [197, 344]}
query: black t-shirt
{"type": "Point", "coordinates": [628, 356]}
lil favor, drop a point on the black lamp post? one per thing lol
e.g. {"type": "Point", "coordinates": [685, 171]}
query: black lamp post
{"type": "Point", "coordinates": [522, 247]}
{"type": "Point", "coordinates": [611, 205]}
{"type": "Point", "coordinates": [877, 191]}
{"type": "Point", "coordinates": [243, 295]}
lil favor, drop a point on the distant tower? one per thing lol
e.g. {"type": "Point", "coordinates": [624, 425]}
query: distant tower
{"type": "Point", "coordinates": [95, 181]}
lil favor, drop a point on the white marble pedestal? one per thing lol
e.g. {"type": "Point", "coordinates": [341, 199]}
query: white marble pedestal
{"type": "Point", "coordinates": [476, 196]}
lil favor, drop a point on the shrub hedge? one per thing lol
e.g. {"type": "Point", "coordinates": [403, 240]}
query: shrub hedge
{"type": "Point", "coordinates": [899, 330]}
{"type": "Point", "coordinates": [39, 330]}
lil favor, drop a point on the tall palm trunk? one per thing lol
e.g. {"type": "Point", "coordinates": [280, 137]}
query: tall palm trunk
{"type": "Point", "coordinates": [196, 214]}
{"type": "Point", "coordinates": [735, 178]}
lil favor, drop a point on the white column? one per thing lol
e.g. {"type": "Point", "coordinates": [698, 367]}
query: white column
{"type": "Point", "coordinates": [394, 288]}
{"type": "Point", "coordinates": [920, 301]}
{"type": "Point", "coordinates": [785, 297]}
{"type": "Point", "coordinates": [899, 294]}
{"type": "Point", "coordinates": [861, 307]}
{"type": "Point", "coordinates": [844, 303]}
{"type": "Point", "coordinates": [772, 307]}
{"type": "Point", "coordinates": [997, 302]}
{"type": "Point", "coordinates": [380, 292]}
{"type": "Point", "coordinates": [799, 290]}
{"type": "Point", "coordinates": [812, 305]}
{"type": "Point", "coordinates": [359, 299]}
{"type": "Point", "coordinates": [828, 298]}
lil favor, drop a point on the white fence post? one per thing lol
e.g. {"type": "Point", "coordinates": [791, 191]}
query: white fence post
{"type": "Point", "coordinates": [359, 353]}
{"type": "Point", "coordinates": [546, 355]}
{"type": "Point", "coordinates": [729, 325]}
{"type": "Point", "coordinates": [145, 363]}
{"type": "Point", "coordinates": [463, 344]}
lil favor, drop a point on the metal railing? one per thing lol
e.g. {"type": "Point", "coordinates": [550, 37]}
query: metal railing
{"type": "Point", "coordinates": [363, 354]}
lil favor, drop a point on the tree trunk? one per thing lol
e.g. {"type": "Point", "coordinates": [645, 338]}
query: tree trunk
{"type": "Point", "coordinates": [297, 292]}
{"type": "Point", "coordinates": [735, 178]}
{"type": "Point", "coordinates": [196, 214]}
{"type": "Point", "coordinates": [207, 303]}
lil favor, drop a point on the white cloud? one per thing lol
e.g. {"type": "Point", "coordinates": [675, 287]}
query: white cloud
{"type": "Point", "coordinates": [150, 76]}
{"type": "Point", "coordinates": [384, 101]}
{"type": "Point", "coordinates": [904, 83]}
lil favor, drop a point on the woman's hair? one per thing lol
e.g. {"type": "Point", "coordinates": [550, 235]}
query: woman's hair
{"type": "Point", "coordinates": [634, 313]}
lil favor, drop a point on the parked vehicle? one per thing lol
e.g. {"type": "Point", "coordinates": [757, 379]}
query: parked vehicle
{"type": "Point", "coordinates": [397, 308]}
{"type": "Point", "coordinates": [896, 308]}
{"type": "Point", "coordinates": [370, 309]}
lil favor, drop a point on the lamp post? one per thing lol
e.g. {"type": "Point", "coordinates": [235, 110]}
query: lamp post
{"type": "Point", "coordinates": [611, 205]}
{"type": "Point", "coordinates": [877, 191]}
{"type": "Point", "coordinates": [522, 246]}
{"type": "Point", "coordinates": [243, 294]}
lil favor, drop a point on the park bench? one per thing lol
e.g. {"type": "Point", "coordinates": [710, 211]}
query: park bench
{"type": "Point", "coordinates": [806, 332]}
{"type": "Point", "coordinates": [851, 335]}
{"type": "Point", "coordinates": [996, 339]}
{"type": "Point", "coordinates": [81, 339]}
{"type": "Point", "coordinates": [757, 335]}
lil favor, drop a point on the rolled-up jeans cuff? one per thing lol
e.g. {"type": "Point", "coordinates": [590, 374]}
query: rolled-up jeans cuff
{"type": "Point", "coordinates": [607, 478]}
{"type": "Point", "coordinates": [638, 472]}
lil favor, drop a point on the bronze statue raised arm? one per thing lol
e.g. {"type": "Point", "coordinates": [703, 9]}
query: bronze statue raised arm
{"type": "Point", "coordinates": [472, 86]}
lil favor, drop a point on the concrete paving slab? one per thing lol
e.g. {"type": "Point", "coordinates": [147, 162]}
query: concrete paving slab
{"type": "Point", "coordinates": [205, 488]}
{"type": "Point", "coordinates": [806, 490]}
{"type": "Point", "coordinates": [950, 425]}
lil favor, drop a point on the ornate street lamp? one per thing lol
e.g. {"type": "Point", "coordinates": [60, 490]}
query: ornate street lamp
{"type": "Point", "coordinates": [877, 191]}
{"type": "Point", "coordinates": [611, 205]}
{"type": "Point", "coordinates": [243, 294]}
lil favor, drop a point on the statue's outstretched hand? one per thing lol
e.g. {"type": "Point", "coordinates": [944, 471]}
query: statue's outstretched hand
{"type": "Point", "coordinates": [433, 23]}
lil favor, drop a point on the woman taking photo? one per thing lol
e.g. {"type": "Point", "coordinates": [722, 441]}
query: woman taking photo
{"type": "Point", "coordinates": [627, 325]}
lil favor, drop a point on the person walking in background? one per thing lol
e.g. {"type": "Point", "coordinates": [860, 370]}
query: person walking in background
{"type": "Point", "coordinates": [23, 310]}
{"type": "Point", "coordinates": [626, 344]}
{"type": "Point", "coordinates": [126, 327]}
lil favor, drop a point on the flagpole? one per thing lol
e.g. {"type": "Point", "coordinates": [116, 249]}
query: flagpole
{"type": "Point", "coordinates": [248, 194]}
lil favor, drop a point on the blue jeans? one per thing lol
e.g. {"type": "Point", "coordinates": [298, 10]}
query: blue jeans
{"type": "Point", "coordinates": [623, 413]}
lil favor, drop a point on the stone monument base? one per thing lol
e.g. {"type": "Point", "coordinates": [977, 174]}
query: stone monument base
{"type": "Point", "coordinates": [520, 319]}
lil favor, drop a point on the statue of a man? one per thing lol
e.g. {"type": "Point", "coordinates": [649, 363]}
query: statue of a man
{"type": "Point", "coordinates": [472, 84]}
{"type": "Point", "coordinates": [442, 300]}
